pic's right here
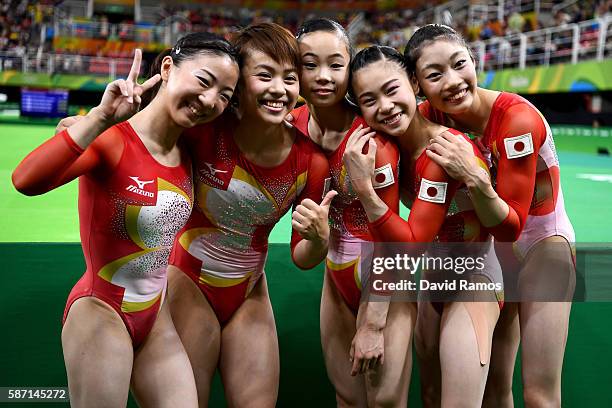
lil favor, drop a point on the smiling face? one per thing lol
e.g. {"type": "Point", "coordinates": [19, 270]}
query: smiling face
{"type": "Point", "coordinates": [325, 61]}
{"type": "Point", "coordinates": [269, 89]}
{"type": "Point", "coordinates": [385, 96]}
{"type": "Point", "coordinates": [200, 88]}
{"type": "Point", "coordinates": [447, 76]}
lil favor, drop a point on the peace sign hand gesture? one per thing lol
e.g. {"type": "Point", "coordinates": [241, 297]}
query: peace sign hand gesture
{"type": "Point", "coordinates": [122, 97]}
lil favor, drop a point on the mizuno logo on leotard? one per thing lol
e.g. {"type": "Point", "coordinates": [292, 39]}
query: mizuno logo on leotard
{"type": "Point", "coordinates": [214, 171]}
{"type": "Point", "coordinates": [211, 173]}
{"type": "Point", "coordinates": [141, 185]}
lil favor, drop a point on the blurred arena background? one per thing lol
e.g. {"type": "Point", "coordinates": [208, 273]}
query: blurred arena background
{"type": "Point", "coordinates": [57, 56]}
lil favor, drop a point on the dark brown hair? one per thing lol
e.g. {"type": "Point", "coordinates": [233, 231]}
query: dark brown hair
{"type": "Point", "coordinates": [271, 39]}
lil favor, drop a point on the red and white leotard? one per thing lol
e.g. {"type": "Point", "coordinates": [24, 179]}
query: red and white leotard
{"type": "Point", "coordinates": [350, 249]}
{"type": "Point", "coordinates": [519, 142]}
{"type": "Point", "coordinates": [223, 247]}
{"type": "Point", "coordinates": [130, 209]}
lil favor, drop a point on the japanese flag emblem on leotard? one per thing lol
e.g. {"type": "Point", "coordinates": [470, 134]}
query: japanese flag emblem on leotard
{"type": "Point", "coordinates": [383, 176]}
{"type": "Point", "coordinates": [519, 146]}
{"type": "Point", "coordinates": [433, 191]}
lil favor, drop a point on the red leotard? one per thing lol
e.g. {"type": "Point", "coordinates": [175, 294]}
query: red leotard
{"type": "Point", "coordinates": [520, 145]}
{"type": "Point", "coordinates": [350, 248]}
{"type": "Point", "coordinates": [223, 247]}
{"type": "Point", "coordinates": [130, 209]}
{"type": "Point", "coordinates": [440, 211]}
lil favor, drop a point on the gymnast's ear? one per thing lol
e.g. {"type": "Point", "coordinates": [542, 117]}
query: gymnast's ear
{"type": "Point", "coordinates": [415, 86]}
{"type": "Point", "coordinates": [165, 67]}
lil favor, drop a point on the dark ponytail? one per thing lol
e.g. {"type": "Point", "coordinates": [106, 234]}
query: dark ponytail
{"type": "Point", "coordinates": [187, 47]}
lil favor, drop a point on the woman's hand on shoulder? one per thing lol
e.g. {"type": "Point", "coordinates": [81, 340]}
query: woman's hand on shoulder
{"type": "Point", "coordinates": [455, 155]}
{"type": "Point", "coordinates": [360, 165]}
